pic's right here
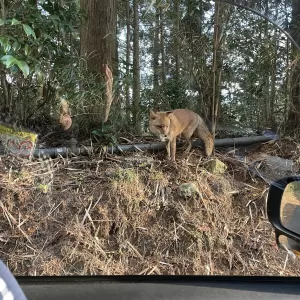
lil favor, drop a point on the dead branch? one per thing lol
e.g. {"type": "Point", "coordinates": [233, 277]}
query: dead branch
{"type": "Point", "coordinates": [109, 90]}
{"type": "Point", "coordinates": [65, 115]}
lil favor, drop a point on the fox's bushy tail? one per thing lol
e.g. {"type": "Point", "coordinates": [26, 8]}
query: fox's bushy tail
{"type": "Point", "coordinates": [205, 135]}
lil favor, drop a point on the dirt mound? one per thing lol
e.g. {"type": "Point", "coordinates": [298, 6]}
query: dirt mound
{"type": "Point", "coordinates": [126, 215]}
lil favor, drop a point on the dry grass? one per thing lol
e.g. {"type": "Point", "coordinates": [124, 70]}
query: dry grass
{"type": "Point", "coordinates": [85, 216]}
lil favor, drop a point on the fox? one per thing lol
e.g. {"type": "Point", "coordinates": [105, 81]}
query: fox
{"type": "Point", "coordinates": [168, 125]}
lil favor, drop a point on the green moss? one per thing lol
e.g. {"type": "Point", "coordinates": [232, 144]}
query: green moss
{"type": "Point", "coordinates": [125, 174]}
{"type": "Point", "coordinates": [157, 175]}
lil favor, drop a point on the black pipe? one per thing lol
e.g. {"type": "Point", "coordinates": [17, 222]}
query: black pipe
{"type": "Point", "coordinates": [65, 151]}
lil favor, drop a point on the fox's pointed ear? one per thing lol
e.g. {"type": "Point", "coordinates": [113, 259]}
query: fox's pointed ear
{"type": "Point", "coordinates": [169, 112]}
{"type": "Point", "coordinates": [153, 115]}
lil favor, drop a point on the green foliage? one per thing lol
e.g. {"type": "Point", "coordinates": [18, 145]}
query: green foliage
{"type": "Point", "coordinates": [39, 48]}
{"type": "Point", "coordinates": [171, 95]}
{"type": "Point", "coordinates": [174, 91]}
{"type": "Point", "coordinates": [33, 38]}
{"type": "Point", "coordinates": [41, 42]}
{"type": "Point", "coordinates": [105, 133]}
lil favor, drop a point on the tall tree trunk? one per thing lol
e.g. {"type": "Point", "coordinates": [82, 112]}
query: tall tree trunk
{"type": "Point", "coordinates": [98, 44]}
{"type": "Point", "coordinates": [266, 79]}
{"type": "Point", "coordinates": [155, 56]}
{"type": "Point", "coordinates": [119, 101]}
{"type": "Point", "coordinates": [273, 78]}
{"type": "Point", "coordinates": [294, 109]}
{"type": "Point", "coordinates": [128, 51]}
{"type": "Point", "coordinates": [162, 47]}
{"type": "Point", "coordinates": [217, 68]}
{"type": "Point", "coordinates": [136, 69]}
{"type": "Point", "coordinates": [272, 120]}
{"type": "Point", "coordinates": [98, 33]}
{"type": "Point", "coordinates": [4, 82]}
{"type": "Point", "coordinates": [287, 85]}
{"type": "Point", "coordinates": [177, 46]}
{"type": "Point", "coordinates": [288, 76]}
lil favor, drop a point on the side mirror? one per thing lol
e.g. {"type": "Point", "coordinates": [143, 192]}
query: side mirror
{"type": "Point", "coordinates": [283, 209]}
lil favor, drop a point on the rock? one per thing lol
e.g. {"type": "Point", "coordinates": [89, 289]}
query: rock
{"type": "Point", "coordinates": [188, 189]}
{"type": "Point", "coordinates": [274, 167]}
{"type": "Point", "coordinates": [215, 166]}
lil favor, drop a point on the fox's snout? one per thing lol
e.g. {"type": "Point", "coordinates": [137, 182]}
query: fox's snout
{"type": "Point", "coordinates": [163, 137]}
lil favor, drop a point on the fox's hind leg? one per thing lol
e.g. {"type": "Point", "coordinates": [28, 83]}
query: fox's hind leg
{"type": "Point", "coordinates": [187, 134]}
{"type": "Point", "coordinates": [188, 145]}
{"type": "Point", "coordinates": [185, 142]}
{"type": "Point", "coordinates": [184, 146]}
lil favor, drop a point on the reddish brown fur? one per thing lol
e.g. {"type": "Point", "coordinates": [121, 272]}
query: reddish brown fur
{"type": "Point", "coordinates": [168, 125]}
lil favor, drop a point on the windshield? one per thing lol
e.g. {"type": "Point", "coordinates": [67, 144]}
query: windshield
{"type": "Point", "coordinates": [141, 137]}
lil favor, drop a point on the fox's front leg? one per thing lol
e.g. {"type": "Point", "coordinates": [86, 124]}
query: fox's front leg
{"type": "Point", "coordinates": [173, 149]}
{"type": "Point", "coordinates": [168, 149]}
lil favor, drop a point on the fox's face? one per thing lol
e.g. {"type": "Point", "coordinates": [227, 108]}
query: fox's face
{"type": "Point", "coordinates": [159, 124]}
